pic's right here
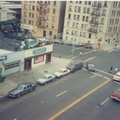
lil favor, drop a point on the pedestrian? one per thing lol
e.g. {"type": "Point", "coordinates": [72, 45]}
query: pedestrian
{"type": "Point", "coordinates": [111, 69]}
{"type": "Point", "coordinates": [116, 70]}
{"type": "Point", "coordinates": [80, 53]}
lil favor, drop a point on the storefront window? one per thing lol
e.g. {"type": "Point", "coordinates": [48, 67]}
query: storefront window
{"type": "Point", "coordinates": [38, 59]}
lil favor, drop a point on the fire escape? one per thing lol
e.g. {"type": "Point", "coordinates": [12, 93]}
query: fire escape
{"type": "Point", "coordinates": [42, 12]}
{"type": "Point", "coordinates": [95, 17]}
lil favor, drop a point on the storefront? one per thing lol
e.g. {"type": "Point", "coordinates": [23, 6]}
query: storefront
{"type": "Point", "coordinates": [11, 62]}
{"type": "Point", "coordinates": [38, 56]}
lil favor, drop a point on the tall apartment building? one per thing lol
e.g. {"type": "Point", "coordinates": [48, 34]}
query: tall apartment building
{"type": "Point", "coordinates": [96, 22]}
{"type": "Point", "coordinates": [43, 18]}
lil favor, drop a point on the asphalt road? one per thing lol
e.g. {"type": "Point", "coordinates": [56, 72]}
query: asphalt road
{"type": "Point", "coordinates": [82, 95]}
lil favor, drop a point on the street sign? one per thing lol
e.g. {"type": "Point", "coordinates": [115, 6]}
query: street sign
{"type": "Point", "coordinates": [3, 58]}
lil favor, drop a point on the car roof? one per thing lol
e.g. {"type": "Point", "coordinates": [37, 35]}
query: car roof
{"type": "Point", "coordinates": [47, 75]}
{"type": "Point", "coordinates": [118, 89]}
{"type": "Point", "coordinates": [63, 69]}
{"type": "Point", "coordinates": [118, 73]}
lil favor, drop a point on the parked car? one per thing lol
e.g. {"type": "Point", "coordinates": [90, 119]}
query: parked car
{"type": "Point", "coordinates": [75, 65]}
{"type": "Point", "coordinates": [62, 72]}
{"type": "Point", "coordinates": [74, 43]}
{"type": "Point", "coordinates": [90, 67]}
{"type": "Point", "coordinates": [87, 45]}
{"type": "Point", "coordinates": [116, 95]}
{"type": "Point", "coordinates": [21, 89]}
{"type": "Point", "coordinates": [116, 77]}
{"type": "Point", "coordinates": [45, 79]}
{"type": "Point", "coordinates": [58, 42]}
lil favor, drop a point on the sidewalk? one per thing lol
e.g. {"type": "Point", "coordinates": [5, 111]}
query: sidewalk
{"type": "Point", "coordinates": [110, 47]}
{"type": "Point", "coordinates": [31, 75]}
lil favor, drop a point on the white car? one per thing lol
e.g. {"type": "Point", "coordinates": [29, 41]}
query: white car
{"type": "Point", "coordinates": [117, 76]}
{"type": "Point", "coordinates": [62, 72]}
{"type": "Point", "coordinates": [45, 79]}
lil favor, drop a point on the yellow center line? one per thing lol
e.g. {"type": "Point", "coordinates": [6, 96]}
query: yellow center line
{"type": "Point", "coordinates": [78, 100]}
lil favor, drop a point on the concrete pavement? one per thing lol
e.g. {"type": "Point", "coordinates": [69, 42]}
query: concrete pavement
{"type": "Point", "coordinates": [32, 75]}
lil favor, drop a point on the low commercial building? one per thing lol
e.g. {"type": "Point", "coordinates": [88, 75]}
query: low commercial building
{"type": "Point", "coordinates": [11, 62]}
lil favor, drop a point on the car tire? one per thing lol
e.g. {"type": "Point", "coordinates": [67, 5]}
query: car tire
{"type": "Point", "coordinates": [19, 95]}
{"type": "Point", "coordinates": [31, 89]}
{"type": "Point", "coordinates": [53, 79]}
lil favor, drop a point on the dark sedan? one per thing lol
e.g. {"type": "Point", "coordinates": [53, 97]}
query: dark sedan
{"type": "Point", "coordinates": [21, 90]}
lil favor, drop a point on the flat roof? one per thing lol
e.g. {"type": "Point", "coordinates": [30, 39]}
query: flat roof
{"type": "Point", "coordinates": [2, 51]}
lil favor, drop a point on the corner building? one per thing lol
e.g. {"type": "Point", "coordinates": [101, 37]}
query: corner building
{"type": "Point", "coordinates": [96, 22]}
{"type": "Point", "coordinates": [43, 18]}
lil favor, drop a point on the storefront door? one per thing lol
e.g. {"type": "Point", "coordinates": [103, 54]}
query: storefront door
{"type": "Point", "coordinates": [48, 58]}
{"type": "Point", "coordinates": [27, 64]}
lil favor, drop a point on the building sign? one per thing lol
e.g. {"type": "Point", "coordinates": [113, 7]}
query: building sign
{"type": "Point", "coordinates": [38, 51]}
{"type": "Point", "coordinates": [24, 26]}
{"type": "Point", "coordinates": [3, 58]}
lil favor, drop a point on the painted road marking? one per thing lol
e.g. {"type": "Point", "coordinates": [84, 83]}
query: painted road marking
{"type": "Point", "coordinates": [103, 72]}
{"type": "Point", "coordinates": [61, 93]}
{"type": "Point", "coordinates": [78, 100]}
{"type": "Point", "coordinates": [93, 76]}
{"type": "Point", "coordinates": [89, 52]}
{"type": "Point", "coordinates": [105, 101]}
{"type": "Point", "coordinates": [89, 59]}
{"type": "Point", "coordinates": [97, 74]}
{"type": "Point", "coordinates": [116, 82]}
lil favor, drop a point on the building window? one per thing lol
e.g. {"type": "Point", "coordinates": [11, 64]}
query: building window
{"type": "Point", "coordinates": [46, 24]}
{"type": "Point", "coordinates": [84, 10]}
{"type": "Point", "coordinates": [48, 2]}
{"type": "Point", "coordinates": [102, 20]}
{"type": "Point", "coordinates": [86, 2]}
{"type": "Point", "coordinates": [76, 33]}
{"type": "Point", "coordinates": [38, 59]}
{"type": "Point", "coordinates": [81, 34]}
{"type": "Point", "coordinates": [82, 26]}
{"type": "Point", "coordinates": [25, 6]}
{"type": "Point", "coordinates": [52, 25]}
{"type": "Point", "coordinates": [89, 2]}
{"type": "Point", "coordinates": [66, 37]}
{"type": "Point", "coordinates": [72, 32]}
{"type": "Point", "coordinates": [55, 3]}
{"type": "Point", "coordinates": [89, 35]}
{"type": "Point", "coordinates": [83, 19]}
{"type": "Point", "coordinates": [73, 24]}
{"type": "Point", "coordinates": [48, 10]}
{"type": "Point", "coordinates": [30, 22]}
{"type": "Point", "coordinates": [104, 12]}
{"type": "Point", "coordinates": [87, 18]}
{"type": "Point", "coordinates": [54, 11]}
{"type": "Point", "coordinates": [67, 31]}
{"type": "Point", "coordinates": [88, 10]}
{"type": "Point", "coordinates": [80, 2]}
{"type": "Point", "coordinates": [77, 25]}
{"type": "Point", "coordinates": [75, 8]}
{"type": "Point", "coordinates": [78, 17]}
{"type": "Point", "coordinates": [74, 17]}
{"type": "Point", "coordinates": [25, 21]}
{"type": "Point", "coordinates": [25, 14]}
{"type": "Point", "coordinates": [79, 9]}
{"type": "Point", "coordinates": [68, 23]}
{"type": "Point", "coordinates": [12, 65]}
{"type": "Point", "coordinates": [69, 16]}
{"type": "Point", "coordinates": [70, 8]}
{"type": "Point", "coordinates": [53, 18]}
{"type": "Point", "coordinates": [50, 33]}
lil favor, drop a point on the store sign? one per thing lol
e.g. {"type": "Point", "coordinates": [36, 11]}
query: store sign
{"type": "Point", "coordinates": [38, 51]}
{"type": "Point", "coordinates": [3, 58]}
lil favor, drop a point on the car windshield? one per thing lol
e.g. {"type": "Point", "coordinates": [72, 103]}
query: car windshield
{"type": "Point", "coordinates": [60, 71]}
{"type": "Point", "coordinates": [19, 88]}
{"type": "Point", "coordinates": [43, 77]}
{"type": "Point", "coordinates": [117, 91]}
{"type": "Point", "coordinates": [91, 65]}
